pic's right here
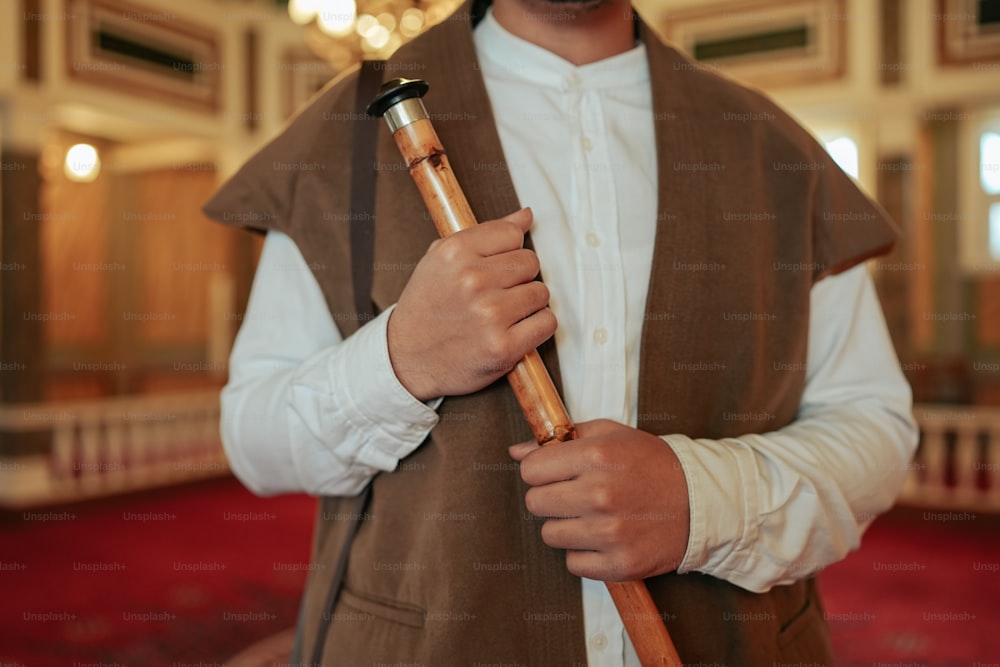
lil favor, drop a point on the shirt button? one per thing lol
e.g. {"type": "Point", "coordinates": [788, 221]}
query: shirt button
{"type": "Point", "coordinates": [598, 642]}
{"type": "Point", "coordinates": [587, 146]}
{"type": "Point", "coordinates": [593, 240]}
{"type": "Point", "coordinates": [573, 81]}
{"type": "Point", "coordinates": [600, 337]}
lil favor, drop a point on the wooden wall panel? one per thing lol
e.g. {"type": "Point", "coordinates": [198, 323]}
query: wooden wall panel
{"type": "Point", "coordinates": [21, 319]}
{"type": "Point", "coordinates": [134, 265]}
{"type": "Point", "coordinates": [74, 241]}
{"type": "Point", "coordinates": [180, 249]}
{"type": "Point", "coordinates": [922, 245]}
{"type": "Point", "coordinates": [895, 275]}
{"type": "Point", "coordinates": [988, 313]}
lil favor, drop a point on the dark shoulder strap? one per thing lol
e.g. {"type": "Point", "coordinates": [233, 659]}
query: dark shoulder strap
{"type": "Point", "coordinates": [363, 190]}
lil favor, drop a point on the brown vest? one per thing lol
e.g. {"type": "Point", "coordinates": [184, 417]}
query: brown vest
{"type": "Point", "coordinates": [448, 568]}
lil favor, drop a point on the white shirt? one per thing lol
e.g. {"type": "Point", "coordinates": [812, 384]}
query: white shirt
{"type": "Point", "coordinates": [307, 411]}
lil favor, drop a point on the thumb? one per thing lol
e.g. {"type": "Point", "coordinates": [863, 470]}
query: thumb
{"type": "Point", "coordinates": [523, 218]}
{"type": "Point", "coordinates": [522, 449]}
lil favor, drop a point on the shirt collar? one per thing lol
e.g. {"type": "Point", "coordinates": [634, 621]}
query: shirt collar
{"type": "Point", "coordinates": [505, 55]}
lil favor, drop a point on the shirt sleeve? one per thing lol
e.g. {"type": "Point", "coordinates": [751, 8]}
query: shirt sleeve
{"type": "Point", "coordinates": [772, 508]}
{"type": "Point", "coordinates": [305, 409]}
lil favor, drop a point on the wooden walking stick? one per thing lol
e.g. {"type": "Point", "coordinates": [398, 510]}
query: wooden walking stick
{"type": "Point", "coordinates": [399, 102]}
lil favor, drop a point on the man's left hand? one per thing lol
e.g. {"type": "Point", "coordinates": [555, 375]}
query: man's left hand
{"type": "Point", "coordinates": [615, 498]}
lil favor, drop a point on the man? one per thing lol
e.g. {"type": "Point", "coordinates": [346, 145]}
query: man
{"type": "Point", "coordinates": [742, 417]}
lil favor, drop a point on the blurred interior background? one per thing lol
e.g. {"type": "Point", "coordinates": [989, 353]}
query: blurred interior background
{"type": "Point", "coordinates": [119, 301]}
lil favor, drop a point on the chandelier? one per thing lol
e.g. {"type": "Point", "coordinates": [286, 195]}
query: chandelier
{"type": "Point", "coordinates": [345, 31]}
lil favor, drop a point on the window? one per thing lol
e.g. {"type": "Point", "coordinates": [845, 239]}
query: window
{"type": "Point", "coordinates": [979, 191]}
{"type": "Point", "coordinates": [989, 162]}
{"type": "Point", "coordinates": [849, 140]}
{"type": "Point", "coordinates": [995, 231]}
{"type": "Point", "coordinates": [989, 179]}
{"type": "Point", "coordinates": [844, 152]}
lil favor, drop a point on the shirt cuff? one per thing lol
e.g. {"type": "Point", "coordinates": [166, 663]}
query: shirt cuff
{"type": "Point", "coordinates": [373, 401]}
{"type": "Point", "coordinates": [722, 497]}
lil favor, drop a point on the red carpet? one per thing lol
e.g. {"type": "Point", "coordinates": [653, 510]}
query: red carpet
{"type": "Point", "coordinates": [924, 589]}
{"type": "Point", "coordinates": [193, 575]}
{"type": "Point", "coordinates": [186, 575]}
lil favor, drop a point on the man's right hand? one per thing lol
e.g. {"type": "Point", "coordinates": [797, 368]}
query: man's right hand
{"type": "Point", "coordinates": [470, 312]}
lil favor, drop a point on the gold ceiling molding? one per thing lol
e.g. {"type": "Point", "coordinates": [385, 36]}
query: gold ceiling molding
{"type": "Point", "coordinates": [769, 43]}
{"type": "Point", "coordinates": [139, 51]}
{"type": "Point", "coordinates": [968, 34]}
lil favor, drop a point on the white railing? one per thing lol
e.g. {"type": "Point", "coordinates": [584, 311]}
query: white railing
{"type": "Point", "coordinates": [107, 446]}
{"type": "Point", "coordinates": [123, 444]}
{"type": "Point", "coordinates": [958, 462]}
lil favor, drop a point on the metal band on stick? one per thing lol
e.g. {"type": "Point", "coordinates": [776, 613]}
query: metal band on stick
{"type": "Point", "coordinates": [398, 101]}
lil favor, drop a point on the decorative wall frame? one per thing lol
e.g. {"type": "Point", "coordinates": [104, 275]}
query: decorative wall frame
{"type": "Point", "coordinates": [968, 32]}
{"type": "Point", "coordinates": [769, 43]}
{"type": "Point", "coordinates": [142, 51]}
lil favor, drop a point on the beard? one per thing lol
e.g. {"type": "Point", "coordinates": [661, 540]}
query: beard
{"type": "Point", "coordinates": [583, 11]}
{"type": "Point", "coordinates": [581, 6]}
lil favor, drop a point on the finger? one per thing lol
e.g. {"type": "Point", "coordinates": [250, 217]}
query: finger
{"type": "Point", "coordinates": [575, 497]}
{"type": "Point", "coordinates": [533, 330]}
{"type": "Point", "coordinates": [502, 310]}
{"type": "Point", "coordinates": [580, 460]}
{"type": "Point", "coordinates": [520, 301]}
{"type": "Point", "coordinates": [599, 565]}
{"type": "Point", "coordinates": [523, 218]}
{"type": "Point", "coordinates": [550, 465]}
{"type": "Point", "coordinates": [512, 268]}
{"type": "Point", "coordinates": [497, 236]}
{"type": "Point", "coordinates": [548, 502]}
{"type": "Point", "coordinates": [569, 533]}
{"type": "Point", "coordinates": [598, 428]}
{"type": "Point", "coordinates": [522, 449]}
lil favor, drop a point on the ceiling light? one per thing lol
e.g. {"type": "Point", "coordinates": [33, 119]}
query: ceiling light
{"type": "Point", "coordinates": [82, 163]}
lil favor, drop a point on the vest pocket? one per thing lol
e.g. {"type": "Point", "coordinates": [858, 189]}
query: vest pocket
{"type": "Point", "coordinates": [805, 636]}
{"type": "Point", "coordinates": [389, 610]}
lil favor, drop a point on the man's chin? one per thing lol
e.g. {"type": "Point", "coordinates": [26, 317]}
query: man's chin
{"type": "Point", "coordinates": [581, 6]}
